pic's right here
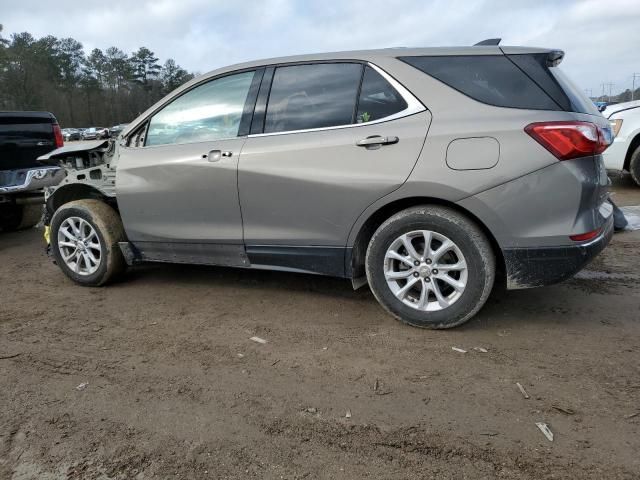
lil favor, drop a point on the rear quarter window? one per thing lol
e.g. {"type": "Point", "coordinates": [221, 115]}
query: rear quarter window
{"type": "Point", "coordinates": [378, 99]}
{"type": "Point", "coordinates": [490, 79]}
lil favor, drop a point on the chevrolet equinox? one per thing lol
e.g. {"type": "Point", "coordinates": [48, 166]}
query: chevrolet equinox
{"type": "Point", "coordinates": [426, 173]}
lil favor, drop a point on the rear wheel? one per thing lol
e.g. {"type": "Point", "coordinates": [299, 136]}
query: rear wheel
{"type": "Point", "coordinates": [84, 241]}
{"type": "Point", "coordinates": [430, 267]}
{"type": "Point", "coordinates": [634, 166]}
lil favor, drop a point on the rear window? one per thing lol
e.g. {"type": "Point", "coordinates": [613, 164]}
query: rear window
{"type": "Point", "coordinates": [490, 79]}
{"type": "Point", "coordinates": [555, 83]}
{"type": "Point", "coordinates": [579, 101]}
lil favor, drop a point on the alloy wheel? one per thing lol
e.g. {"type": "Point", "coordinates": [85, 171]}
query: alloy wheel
{"type": "Point", "coordinates": [79, 246]}
{"type": "Point", "coordinates": [425, 270]}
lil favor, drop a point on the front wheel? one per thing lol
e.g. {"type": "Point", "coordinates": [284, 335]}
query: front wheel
{"type": "Point", "coordinates": [430, 267]}
{"type": "Point", "coordinates": [84, 241]}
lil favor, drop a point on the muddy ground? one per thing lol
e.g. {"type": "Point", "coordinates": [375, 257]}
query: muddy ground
{"type": "Point", "coordinates": [174, 388]}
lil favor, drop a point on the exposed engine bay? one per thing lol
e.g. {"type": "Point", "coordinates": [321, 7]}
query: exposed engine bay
{"type": "Point", "coordinates": [90, 163]}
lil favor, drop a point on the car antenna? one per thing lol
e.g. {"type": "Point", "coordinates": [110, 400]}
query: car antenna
{"type": "Point", "coordinates": [489, 41]}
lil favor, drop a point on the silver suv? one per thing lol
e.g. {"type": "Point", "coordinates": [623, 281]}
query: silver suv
{"type": "Point", "coordinates": [426, 173]}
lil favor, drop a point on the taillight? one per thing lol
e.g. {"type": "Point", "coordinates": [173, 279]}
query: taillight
{"type": "Point", "coordinates": [567, 140]}
{"type": "Point", "coordinates": [57, 133]}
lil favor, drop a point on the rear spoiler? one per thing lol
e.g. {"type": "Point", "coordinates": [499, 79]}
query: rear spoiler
{"type": "Point", "coordinates": [488, 41]}
{"type": "Point", "coordinates": [554, 57]}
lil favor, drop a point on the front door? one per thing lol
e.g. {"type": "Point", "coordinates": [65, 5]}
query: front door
{"type": "Point", "coordinates": [180, 187]}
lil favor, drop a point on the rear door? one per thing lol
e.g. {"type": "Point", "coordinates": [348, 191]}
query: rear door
{"type": "Point", "coordinates": [333, 138]}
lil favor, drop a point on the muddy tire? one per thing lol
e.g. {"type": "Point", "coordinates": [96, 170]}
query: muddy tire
{"type": "Point", "coordinates": [19, 217]}
{"type": "Point", "coordinates": [84, 242]}
{"type": "Point", "coordinates": [430, 267]}
{"type": "Point", "coordinates": [634, 166]}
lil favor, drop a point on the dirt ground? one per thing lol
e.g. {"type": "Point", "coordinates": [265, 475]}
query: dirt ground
{"type": "Point", "coordinates": [175, 388]}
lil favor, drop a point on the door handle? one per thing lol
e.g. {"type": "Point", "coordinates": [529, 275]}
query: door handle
{"type": "Point", "coordinates": [215, 155]}
{"type": "Point", "coordinates": [376, 141]}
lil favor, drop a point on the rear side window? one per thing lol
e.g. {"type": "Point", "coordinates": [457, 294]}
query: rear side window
{"type": "Point", "coordinates": [490, 79]}
{"type": "Point", "coordinates": [312, 96]}
{"type": "Point", "coordinates": [378, 99]}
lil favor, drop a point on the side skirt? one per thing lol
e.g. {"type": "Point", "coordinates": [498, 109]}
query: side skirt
{"type": "Point", "coordinates": [192, 253]}
{"type": "Point", "coordinates": [330, 261]}
{"type": "Point", "coordinates": [319, 260]}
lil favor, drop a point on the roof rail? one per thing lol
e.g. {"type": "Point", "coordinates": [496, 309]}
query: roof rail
{"type": "Point", "coordinates": [489, 41]}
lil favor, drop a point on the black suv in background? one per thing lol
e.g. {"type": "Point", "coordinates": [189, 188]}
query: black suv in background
{"type": "Point", "coordinates": [24, 136]}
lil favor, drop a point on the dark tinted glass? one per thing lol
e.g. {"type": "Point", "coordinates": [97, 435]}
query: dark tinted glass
{"type": "Point", "coordinates": [312, 96]}
{"type": "Point", "coordinates": [378, 99]}
{"type": "Point", "coordinates": [579, 101]}
{"type": "Point", "coordinates": [554, 82]}
{"type": "Point", "coordinates": [491, 79]}
{"type": "Point", "coordinates": [535, 65]}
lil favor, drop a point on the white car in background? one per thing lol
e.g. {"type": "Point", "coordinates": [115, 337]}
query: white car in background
{"type": "Point", "coordinates": [624, 152]}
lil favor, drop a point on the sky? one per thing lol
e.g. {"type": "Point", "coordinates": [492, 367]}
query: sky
{"type": "Point", "coordinates": [601, 39]}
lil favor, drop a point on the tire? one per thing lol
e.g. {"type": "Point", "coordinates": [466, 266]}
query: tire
{"type": "Point", "coordinates": [105, 223]}
{"type": "Point", "coordinates": [634, 166]}
{"type": "Point", "coordinates": [19, 217]}
{"type": "Point", "coordinates": [455, 241]}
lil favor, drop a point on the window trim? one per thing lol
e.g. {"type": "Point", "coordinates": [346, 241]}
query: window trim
{"type": "Point", "coordinates": [260, 106]}
{"type": "Point", "coordinates": [413, 104]}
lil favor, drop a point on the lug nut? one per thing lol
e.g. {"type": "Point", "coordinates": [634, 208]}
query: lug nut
{"type": "Point", "coordinates": [434, 271]}
{"type": "Point", "coordinates": [427, 279]}
{"type": "Point", "coordinates": [416, 274]}
{"type": "Point", "coordinates": [428, 261]}
{"type": "Point", "coordinates": [416, 263]}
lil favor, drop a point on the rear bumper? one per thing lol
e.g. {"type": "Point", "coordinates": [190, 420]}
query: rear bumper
{"type": "Point", "coordinates": [536, 267]}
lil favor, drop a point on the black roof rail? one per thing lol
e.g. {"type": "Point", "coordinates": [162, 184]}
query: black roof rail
{"type": "Point", "coordinates": [489, 41]}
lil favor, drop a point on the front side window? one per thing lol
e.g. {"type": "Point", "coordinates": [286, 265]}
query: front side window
{"type": "Point", "coordinates": [378, 99]}
{"type": "Point", "coordinates": [211, 111]}
{"type": "Point", "coordinates": [312, 96]}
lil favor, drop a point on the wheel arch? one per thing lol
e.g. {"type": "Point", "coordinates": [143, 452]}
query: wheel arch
{"type": "Point", "coordinates": [356, 260]}
{"type": "Point", "coordinates": [635, 143]}
{"type": "Point", "coordinates": [76, 191]}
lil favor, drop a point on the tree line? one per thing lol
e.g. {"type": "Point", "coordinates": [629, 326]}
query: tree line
{"type": "Point", "coordinates": [102, 88]}
{"type": "Point", "coordinates": [621, 97]}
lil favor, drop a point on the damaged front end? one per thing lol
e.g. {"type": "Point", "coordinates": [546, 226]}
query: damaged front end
{"type": "Point", "coordinates": [91, 165]}
{"type": "Point", "coordinates": [89, 172]}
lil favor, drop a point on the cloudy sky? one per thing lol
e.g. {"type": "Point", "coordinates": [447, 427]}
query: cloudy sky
{"type": "Point", "coordinates": [601, 38]}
